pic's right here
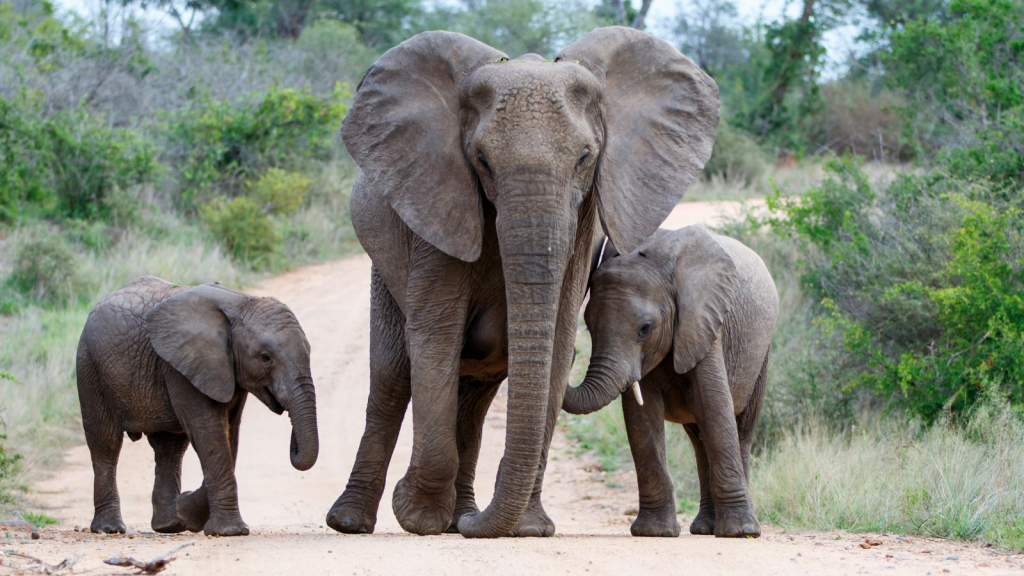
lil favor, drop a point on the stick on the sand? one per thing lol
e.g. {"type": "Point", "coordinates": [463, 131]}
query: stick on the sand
{"type": "Point", "coordinates": [65, 565]}
{"type": "Point", "coordinates": [153, 566]}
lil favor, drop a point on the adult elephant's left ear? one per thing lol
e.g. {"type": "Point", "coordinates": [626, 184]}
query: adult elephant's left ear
{"type": "Point", "coordinates": [661, 111]}
{"type": "Point", "coordinates": [404, 131]}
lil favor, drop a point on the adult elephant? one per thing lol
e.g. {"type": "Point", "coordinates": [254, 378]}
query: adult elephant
{"type": "Point", "coordinates": [481, 185]}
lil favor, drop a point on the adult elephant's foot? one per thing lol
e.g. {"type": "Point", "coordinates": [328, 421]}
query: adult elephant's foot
{"type": "Point", "coordinates": [107, 522]}
{"type": "Point", "coordinates": [737, 524]}
{"type": "Point", "coordinates": [460, 511]}
{"type": "Point", "coordinates": [535, 522]}
{"type": "Point", "coordinates": [350, 515]}
{"type": "Point", "coordinates": [227, 525]}
{"type": "Point", "coordinates": [704, 523]}
{"type": "Point", "coordinates": [420, 513]}
{"type": "Point", "coordinates": [656, 522]}
{"type": "Point", "coordinates": [193, 510]}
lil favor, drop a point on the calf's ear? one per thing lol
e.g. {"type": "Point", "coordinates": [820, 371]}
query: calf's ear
{"type": "Point", "coordinates": [192, 332]}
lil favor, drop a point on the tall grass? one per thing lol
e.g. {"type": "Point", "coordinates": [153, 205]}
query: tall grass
{"type": "Point", "coordinates": [964, 482]}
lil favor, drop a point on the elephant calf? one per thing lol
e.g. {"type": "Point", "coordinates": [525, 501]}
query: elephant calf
{"type": "Point", "coordinates": [176, 363]}
{"type": "Point", "coordinates": [690, 315]}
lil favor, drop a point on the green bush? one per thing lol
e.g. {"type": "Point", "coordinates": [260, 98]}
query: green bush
{"type": "Point", "coordinates": [47, 270]}
{"type": "Point", "coordinates": [993, 158]}
{"type": "Point", "coordinates": [735, 157]}
{"type": "Point", "coordinates": [222, 143]}
{"type": "Point", "coordinates": [244, 226]}
{"type": "Point", "coordinates": [67, 164]}
{"type": "Point", "coordinates": [280, 192]}
{"type": "Point", "coordinates": [920, 283]}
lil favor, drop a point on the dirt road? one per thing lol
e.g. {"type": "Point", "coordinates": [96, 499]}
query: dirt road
{"type": "Point", "coordinates": [286, 508]}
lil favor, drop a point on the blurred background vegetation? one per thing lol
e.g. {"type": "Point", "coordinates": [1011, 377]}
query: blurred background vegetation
{"type": "Point", "coordinates": [207, 149]}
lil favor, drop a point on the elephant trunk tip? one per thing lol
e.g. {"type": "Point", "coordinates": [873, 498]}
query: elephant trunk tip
{"type": "Point", "coordinates": [303, 460]}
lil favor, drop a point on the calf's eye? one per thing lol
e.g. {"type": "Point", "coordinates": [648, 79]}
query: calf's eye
{"type": "Point", "coordinates": [644, 330]}
{"type": "Point", "coordinates": [266, 357]}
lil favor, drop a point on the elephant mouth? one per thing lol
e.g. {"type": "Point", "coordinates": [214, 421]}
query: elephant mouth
{"type": "Point", "coordinates": [268, 398]}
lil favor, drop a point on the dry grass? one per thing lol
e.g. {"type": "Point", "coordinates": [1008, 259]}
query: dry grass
{"type": "Point", "coordinates": [887, 476]}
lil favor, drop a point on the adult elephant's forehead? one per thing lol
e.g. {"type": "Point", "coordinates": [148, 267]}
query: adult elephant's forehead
{"type": "Point", "coordinates": [528, 83]}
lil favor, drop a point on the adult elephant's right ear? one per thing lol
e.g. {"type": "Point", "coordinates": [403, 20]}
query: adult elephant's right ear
{"type": "Point", "coordinates": [404, 131]}
{"type": "Point", "coordinates": [660, 114]}
{"type": "Point", "coordinates": [191, 332]}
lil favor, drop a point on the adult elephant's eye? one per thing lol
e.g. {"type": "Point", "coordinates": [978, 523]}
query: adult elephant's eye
{"type": "Point", "coordinates": [266, 357]}
{"type": "Point", "coordinates": [586, 154]}
{"type": "Point", "coordinates": [480, 159]}
{"type": "Point", "coordinates": [644, 331]}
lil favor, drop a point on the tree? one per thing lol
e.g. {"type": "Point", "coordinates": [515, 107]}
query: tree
{"type": "Point", "coordinates": [621, 12]}
{"type": "Point", "coordinates": [381, 23]}
{"type": "Point", "coordinates": [709, 36]}
{"type": "Point", "coordinates": [518, 27]}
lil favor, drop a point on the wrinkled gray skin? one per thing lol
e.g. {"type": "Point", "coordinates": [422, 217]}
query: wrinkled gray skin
{"type": "Point", "coordinates": [691, 316]}
{"type": "Point", "coordinates": [477, 203]}
{"type": "Point", "coordinates": [176, 363]}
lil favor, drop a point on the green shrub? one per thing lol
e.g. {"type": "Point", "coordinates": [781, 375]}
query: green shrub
{"type": "Point", "coordinates": [993, 158]}
{"type": "Point", "coordinates": [920, 284]}
{"type": "Point", "coordinates": [68, 164]}
{"type": "Point", "coordinates": [280, 192]}
{"type": "Point", "coordinates": [47, 270]}
{"type": "Point", "coordinates": [979, 308]}
{"type": "Point", "coordinates": [244, 226]}
{"type": "Point", "coordinates": [735, 157]}
{"type": "Point", "coordinates": [222, 143]}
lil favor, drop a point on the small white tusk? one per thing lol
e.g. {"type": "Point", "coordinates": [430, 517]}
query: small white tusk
{"type": "Point", "coordinates": [636, 392]}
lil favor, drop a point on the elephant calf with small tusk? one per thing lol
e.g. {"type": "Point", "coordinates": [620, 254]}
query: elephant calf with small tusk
{"type": "Point", "coordinates": [176, 363]}
{"type": "Point", "coordinates": [690, 315]}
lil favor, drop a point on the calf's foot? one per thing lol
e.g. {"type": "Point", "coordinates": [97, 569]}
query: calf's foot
{"type": "Point", "coordinates": [704, 523]}
{"type": "Point", "coordinates": [193, 510]}
{"type": "Point", "coordinates": [107, 522]}
{"type": "Point", "coordinates": [227, 525]}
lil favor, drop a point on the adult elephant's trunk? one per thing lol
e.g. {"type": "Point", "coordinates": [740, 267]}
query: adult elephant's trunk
{"type": "Point", "coordinates": [301, 408]}
{"type": "Point", "coordinates": [604, 382]}
{"type": "Point", "coordinates": [534, 232]}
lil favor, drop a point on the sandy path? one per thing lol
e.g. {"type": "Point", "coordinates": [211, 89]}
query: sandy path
{"type": "Point", "coordinates": [285, 508]}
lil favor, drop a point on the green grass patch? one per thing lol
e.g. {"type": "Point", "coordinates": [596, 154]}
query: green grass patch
{"type": "Point", "coordinates": [39, 520]}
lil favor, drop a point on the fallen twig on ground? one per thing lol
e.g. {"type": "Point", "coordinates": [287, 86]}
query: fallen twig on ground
{"type": "Point", "coordinates": [152, 567]}
{"type": "Point", "coordinates": [36, 565]}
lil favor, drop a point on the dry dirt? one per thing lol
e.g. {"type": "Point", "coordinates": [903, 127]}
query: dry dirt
{"type": "Point", "coordinates": [286, 508]}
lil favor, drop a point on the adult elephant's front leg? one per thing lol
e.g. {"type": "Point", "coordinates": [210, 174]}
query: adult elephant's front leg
{"type": "Point", "coordinates": [355, 511]}
{"type": "Point", "coordinates": [716, 418]}
{"type": "Point", "coordinates": [424, 499]}
{"type": "Point", "coordinates": [475, 398]}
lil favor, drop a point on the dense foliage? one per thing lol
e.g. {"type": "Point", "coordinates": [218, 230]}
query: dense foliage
{"type": "Point", "coordinates": [921, 280]}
